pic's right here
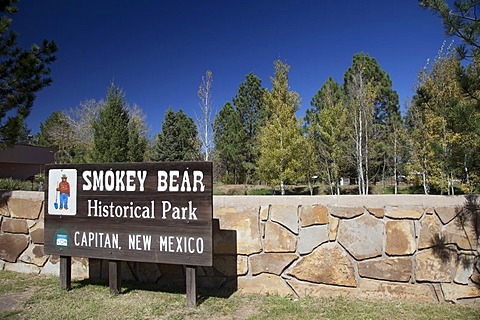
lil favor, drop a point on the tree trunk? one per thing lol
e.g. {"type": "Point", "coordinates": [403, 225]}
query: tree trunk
{"type": "Point", "coordinates": [425, 188]}
{"type": "Point", "coordinates": [329, 178]}
{"type": "Point", "coordinates": [395, 178]}
{"type": "Point", "coordinates": [451, 184]}
{"type": "Point", "coordinates": [465, 168]}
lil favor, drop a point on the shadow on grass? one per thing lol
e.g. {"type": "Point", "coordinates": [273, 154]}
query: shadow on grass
{"type": "Point", "coordinates": [218, 280]}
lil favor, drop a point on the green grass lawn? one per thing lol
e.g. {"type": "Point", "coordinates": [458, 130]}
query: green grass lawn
{"type": "Point", "coordinates": [25, 296]}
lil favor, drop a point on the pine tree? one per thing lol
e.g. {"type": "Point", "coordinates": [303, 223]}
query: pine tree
{"type": "Point", "coordinates": [22, 74]}
{"type": "Point", "coordinates": [229, 138]}
{"type": "Point", "coordinates": [281, 137]}
{"type": "Point", "coordinates": [110, 129]}
{"type": "Point", "coordinates": [250, 106]}
{"type": "Point", "coordinates": [462, 21]}
{"type": "Point", "coordinates": [137, 136]}
{"type": "Point", "coordinates": [178, 140]}
{"type": "Point", "coordinates": [326, 125]}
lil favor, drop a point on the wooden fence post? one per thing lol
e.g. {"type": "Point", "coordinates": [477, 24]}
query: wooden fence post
{"type": "Point", "coordinates": [191, 284]}
{"type": "Point", "coordinates": [65, 272]}
{"type": "Point", "coordinates": [114, 276]}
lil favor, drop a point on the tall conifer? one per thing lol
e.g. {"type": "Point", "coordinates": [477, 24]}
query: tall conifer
{"type": "Point", "coordinates": [252, 113]}
{"type": "Point", "coordinates": [110, 129]}
{"type": "Point", "coordinates": [230, 146]}
{"type": "Point", "coordinates": [178, 140]}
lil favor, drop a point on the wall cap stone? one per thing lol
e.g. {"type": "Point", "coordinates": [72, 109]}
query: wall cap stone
{"type": "Point", "coordinates": [370, 201]}
{"type": "Point", "coordinates": [26, 195]}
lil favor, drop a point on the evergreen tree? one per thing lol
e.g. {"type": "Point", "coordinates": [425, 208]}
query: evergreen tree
{"type": "Point", "coordinates": [46, 136]}
{"type": "Point", "coordinates": [178, 140]}
{"type": "Point", "coordinates": [57, 132]}
{"type": "Point", "coordinates": [165, 145]}
{"type": "Point", "coordinates": [250, 106]}
{"type": "Point", "coordinates": [281, 137]}
{"type": "Point", "coordinates": [22, 74]}
{"type": "Point", "coordinates": [110, 129]}
{"type": "Point", "coordinates": [229, 138]}
{"type": "Point", "coordinates": [137, 136]}
{"type": "Point", "coordinates": [326, 124]}
{"type": "Point", "coordinates": [462, 21]}
{"type": "Point", "coordinates": [24, 136]}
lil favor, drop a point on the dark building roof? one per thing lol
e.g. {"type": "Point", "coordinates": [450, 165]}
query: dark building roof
{"type": "Point", "coordinates": [24, 161]}
{"type": "Point", "coordinates": [27, 155]}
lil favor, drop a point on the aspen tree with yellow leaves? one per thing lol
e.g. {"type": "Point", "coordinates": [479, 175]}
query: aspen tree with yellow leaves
{"type": "Point", "coordinates": [281, 140]}
{"type": "Point", "coordinates": [435, 139]}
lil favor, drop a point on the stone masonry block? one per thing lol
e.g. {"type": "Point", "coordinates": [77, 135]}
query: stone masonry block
{"type": "Point", "coordinates": [333, 223]}
{"type": "Point", "coordinates": [279, 238]}
{"type": "Point", "coordinates": [429, 229]}
{"type": "Point", "coordinates": [34, 254]}
{"type": "Point", "coordinates": [271, 262]}
{"type": "Point", "coordinates": [404, 213]}
{"type": "Point", "coordinates": [311, 237]}
{"type": "Point", "coordinates": [286, 216]}
{"type": "Point", "coordinates": [462, 234]}
{"type": "Point", "coordinates": [400, 238]}
{"type": "Point", "coordinates": [446, 214]}
{"type": "Point", "coordinates": [328, 264]}
{"type": "Point", "coordinates": [453, 292]}
{"type": "Point", "coordinates": [362, 237]}
{"type": "Point", "coordinates": [25, 208]}
{"type": "Point", "coordinates": [265, 284]}
{"type": "Point", "coordinates": [245, 222]}
{"type": "Point", "coordinates": [434, 266]}
{"type": "Point", "coordinates": [12, 245]}
{"type": "Point", "coordinates": [346, 212]}
{"type": "Point", "coordinates": [391, 269]}
{"type": "Point", "coordinates": [377, 212]}
{"type": "Point", "coordinates": [37, 232]}
{"type": "Point", "coordinates": [15, 226]}
{"type": "Point", "coordinates": [311, 215]}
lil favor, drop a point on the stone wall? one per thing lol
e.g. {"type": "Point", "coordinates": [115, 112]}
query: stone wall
{"type": "Point", "coordinates": [21, 236]}
{"type": "Point", "coordinates": [418, 248]}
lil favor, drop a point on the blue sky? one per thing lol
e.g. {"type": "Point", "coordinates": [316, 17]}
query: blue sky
{"type": "Point", "coordinates": [158, 51]}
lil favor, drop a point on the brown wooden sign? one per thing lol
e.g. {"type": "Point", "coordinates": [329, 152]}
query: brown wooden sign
{"type": "Point", "coordinates": [150, 212]}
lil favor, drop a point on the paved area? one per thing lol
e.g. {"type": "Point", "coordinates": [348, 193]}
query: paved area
{"type": "Point", "coordinates": [13, 301]}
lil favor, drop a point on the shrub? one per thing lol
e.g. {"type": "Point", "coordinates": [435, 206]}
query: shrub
{"type": "Point", "coordinates": [14, 184]}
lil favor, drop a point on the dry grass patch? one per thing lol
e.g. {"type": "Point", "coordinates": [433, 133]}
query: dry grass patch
{"type": "Point", "coordinates": [41, 298]}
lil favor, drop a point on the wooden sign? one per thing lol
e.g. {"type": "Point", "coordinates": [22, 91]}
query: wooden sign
{"type": "Point", "coordinates": [149, 212]}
